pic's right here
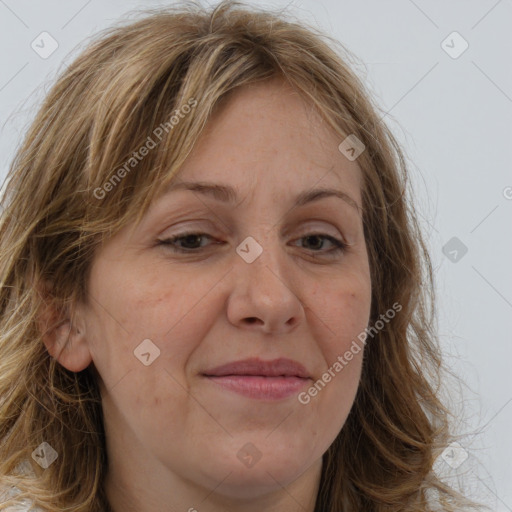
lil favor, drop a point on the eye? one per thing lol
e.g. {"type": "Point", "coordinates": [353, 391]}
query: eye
{"type": "Point", "coordinates": [339, 245]}
{"type": "Point", "coordinates": [192, 239]}
{"type": "Point", "coordinates": [188, 238]}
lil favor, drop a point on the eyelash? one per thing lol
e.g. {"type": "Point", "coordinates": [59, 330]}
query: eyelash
{"type": "Point", "coordinates": [340, 246]}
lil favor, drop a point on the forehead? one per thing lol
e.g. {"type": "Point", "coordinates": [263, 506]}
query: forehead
{"type": "Point", "coordinates": [266, 135]}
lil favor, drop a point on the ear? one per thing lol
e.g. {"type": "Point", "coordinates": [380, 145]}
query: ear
{"type": "Point", "coordinates": [64, 338]}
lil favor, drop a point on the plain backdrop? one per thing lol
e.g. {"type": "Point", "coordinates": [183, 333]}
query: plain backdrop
{"type": "Point", "coordinates": [448, 99]}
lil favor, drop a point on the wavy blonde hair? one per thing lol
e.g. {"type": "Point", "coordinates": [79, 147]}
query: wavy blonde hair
{"type": "Point", "coordinates": [108, 101]}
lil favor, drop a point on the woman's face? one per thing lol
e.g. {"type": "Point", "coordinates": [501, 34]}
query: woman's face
{"type": "Point", "coordinates": [255, 285]}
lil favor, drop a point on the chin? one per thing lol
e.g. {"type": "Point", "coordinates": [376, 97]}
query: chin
{"type": "Point", "coordinates": [253, 480]}
{"type": "Point", "coordinates": [256, 482]}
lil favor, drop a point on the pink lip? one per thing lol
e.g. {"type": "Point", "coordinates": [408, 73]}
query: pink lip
{"type": "Point", "coordinates": [255, 378]}
{"type": "Point", "coordinates": [255, 366]}
{"type": "Point", "coordinates": [258, 387]}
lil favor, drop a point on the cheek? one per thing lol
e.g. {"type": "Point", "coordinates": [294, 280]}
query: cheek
{"type": "Point", "coordinates": [343, 311]}
{"type": "Point", "coordinates": [133, 306]}
{"type": "Point", "coordinates": [340, 313]}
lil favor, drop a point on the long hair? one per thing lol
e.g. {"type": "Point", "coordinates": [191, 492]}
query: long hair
{"type": "Point", "coordinates": [75, 181]}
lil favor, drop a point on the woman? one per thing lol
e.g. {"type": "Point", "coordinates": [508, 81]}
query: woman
{"type": "Point", "coordinates": [141, 371]}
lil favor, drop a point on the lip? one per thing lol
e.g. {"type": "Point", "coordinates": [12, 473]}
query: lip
{"type": "Point", "coordinates": [258, 379]}
{"type": "Point", "coordinates": [258, 367]}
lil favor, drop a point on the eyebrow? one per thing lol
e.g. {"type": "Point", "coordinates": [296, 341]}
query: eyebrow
{"type": "Point", "coordinates": [227, 194]}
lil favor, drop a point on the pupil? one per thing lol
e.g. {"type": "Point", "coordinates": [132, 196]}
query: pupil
{"type": "Point", "coordinates": [313, 237]}
{"type": "Point", "coordinates": [190, 239]}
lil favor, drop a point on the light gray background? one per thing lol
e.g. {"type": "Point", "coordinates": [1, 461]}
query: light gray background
{"type": "Point", "coordinates": [453, 117]}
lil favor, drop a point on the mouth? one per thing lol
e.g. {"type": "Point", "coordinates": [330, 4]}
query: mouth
{"type": "Point", "coordinates": [258, 379]}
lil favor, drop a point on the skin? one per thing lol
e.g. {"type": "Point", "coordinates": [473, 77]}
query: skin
{"type": "Point", "coordinates": [172, 435]}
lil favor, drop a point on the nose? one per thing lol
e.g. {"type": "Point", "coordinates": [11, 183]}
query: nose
{"type": "Point", "coordinates": [264, 294]}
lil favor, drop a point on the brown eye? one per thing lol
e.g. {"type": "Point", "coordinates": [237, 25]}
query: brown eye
{"type": "Point", "coordinates": [191, 243]}
{"type": "Point", "coordinates": [188, 239]}
{"type": "Point", "coordinates": [317, 239]}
